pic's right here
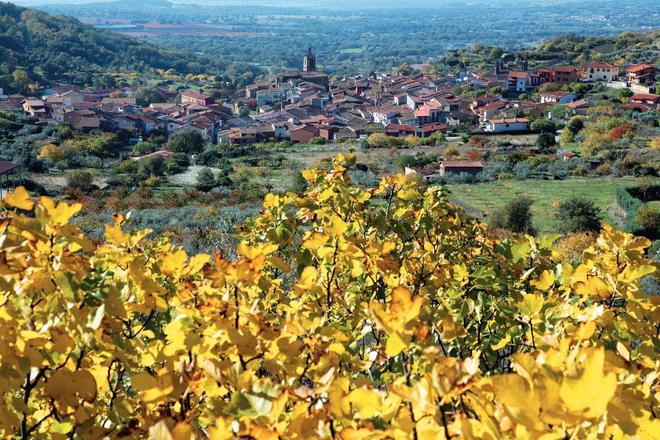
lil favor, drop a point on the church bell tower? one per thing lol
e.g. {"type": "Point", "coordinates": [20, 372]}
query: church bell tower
{"type": "Point", "coordinates": [309, 62]}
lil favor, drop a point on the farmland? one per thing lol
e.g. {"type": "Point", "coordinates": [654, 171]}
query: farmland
{"type": "Point", "coordinates": [486, 197]}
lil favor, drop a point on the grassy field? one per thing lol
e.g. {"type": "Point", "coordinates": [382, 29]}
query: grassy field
{"type": "Point", "coordinates": [486, 197]}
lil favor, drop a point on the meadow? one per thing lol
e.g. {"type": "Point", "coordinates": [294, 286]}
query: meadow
{"type": "Point", "coordinates": [485, 197]}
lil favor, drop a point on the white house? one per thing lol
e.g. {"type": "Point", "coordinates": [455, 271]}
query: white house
{"type": "Point", "coordinates": [503, 125]}
{"type": "Point", "coordinates": [282, 130]}
{"type": "Point", "coordinates": [270, 96]}
{"type": "Point", "coordinates": [557, 97]}
{"type": "Point", "coordinates": [384, 115]}
{"type": "Point", "coordinates": [600, 72]}
{"type": "Point", "coordinates": [2, 94]}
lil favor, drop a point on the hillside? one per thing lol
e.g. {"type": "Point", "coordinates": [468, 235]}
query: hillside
{"type": "Point", "coordinates": [43, 48]}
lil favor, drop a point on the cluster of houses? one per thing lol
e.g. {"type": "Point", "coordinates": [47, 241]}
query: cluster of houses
{"type": "Point", "coordinates": [640, 78]}
{"type": "Point", "coordinates": [301, 105]}
{"type": "Point", "coordinates": [111, 110]}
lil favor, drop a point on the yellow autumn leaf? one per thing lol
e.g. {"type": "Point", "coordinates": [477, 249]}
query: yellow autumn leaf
{"type": "Point", "coordinates": [502, 343]}
{"type": "Point", "coordinates": [408, 194]}
{"type": "Point", "coordinates": [394, 344]}
{"type": "Point", "coordinates": [336, 226]}
{"type": "Point", "coordinates": [545, 281]}
{"type": "Point", "coordinates": [531, 304]}
{"type": "Point", "coordinates": [173, 263]}
{"type": "Point", "coordinates": [153, 389]}
{"type": "Point", "coordinates": [634, 272]}
{"type": "Point", "coordinates": [310, 175]}
{"type": "Point", "coordinates": [271, 201]}
{"type": "Point", "coordinates": [365, 402]}
{"type": "Point", "coordinates": [19, 199]}
{"type": "Point", "coordinates": [589, 392]}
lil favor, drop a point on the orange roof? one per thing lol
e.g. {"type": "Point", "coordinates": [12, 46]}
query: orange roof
{"type": "Point", "coordinates": [516, 74]}
{"type": "Point", "coordinates": [645, 97]}
{"type": "Point", "coordinates": [640, 67]}
{"type": "Point", "coordinates": [601, 65]}
{"type": "Point", "coordinates": [194, 95]}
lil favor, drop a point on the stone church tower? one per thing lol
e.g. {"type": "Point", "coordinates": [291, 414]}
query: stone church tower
{"type": "Point", "coordinates": [309, 62]}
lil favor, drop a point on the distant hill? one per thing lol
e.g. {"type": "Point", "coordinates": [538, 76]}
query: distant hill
{"type": "Point", "coordinates": [59, 49]}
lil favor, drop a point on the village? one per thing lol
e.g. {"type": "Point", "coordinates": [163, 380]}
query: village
{"type": "Point", "coordinates": [302, 105]}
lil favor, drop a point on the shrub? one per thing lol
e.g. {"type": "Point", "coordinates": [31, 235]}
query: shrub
{"type": "Point", "coordinates": [205, 180]}
{"type": "Point", "coordinates": [543, 126]}
{"type": "Point", "coordinates": [82, 180]}
{"type": "Point", "coordinates": [178, 163]}
{"type": "Point", "coordinates": [572, 128]}
{"type": "Point", "coordinates": [189, 142]}
{"type": "Point", "coordinates": [545, 141]}
{"type": "Point", "coordinates": [516, 216]}
{"type": "Point", "coordinates": [142, 148]}
{"type": "Point", "coordinates": [381, 140]}
{"type": "Point", "coordinates": [570, 248]}
{"type": "Point", "coordinates": [577, 215]}
{"type": "Point", "coordinates": [152, 166]}
{"type": "Point", "coordinates": [451, 152]}
{"type": "Point", "coordinates": [648, 218]}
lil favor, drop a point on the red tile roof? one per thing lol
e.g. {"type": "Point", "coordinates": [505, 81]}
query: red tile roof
{"type": "Point", "coordinates": [601, 65]}
{"type": "Point", "coordinates": [194, 95]}
{"type": "Point", "coordinates": [640, 67]}
{"type": "Point", "coordinates": [645, 97]}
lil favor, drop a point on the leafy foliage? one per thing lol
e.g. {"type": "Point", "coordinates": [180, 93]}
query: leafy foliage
{"type": "Point", "coordinates": [62, 49]}
{"type": "Point", "coordinates": [515, 216]}
{"type": "Point", "coordinates": [349, 313]}
{"type": "Point", "coordinates": [578, 214]}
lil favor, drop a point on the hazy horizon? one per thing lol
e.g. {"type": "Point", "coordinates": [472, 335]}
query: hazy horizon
{"type": "Point", "coordinates": [304, 3]}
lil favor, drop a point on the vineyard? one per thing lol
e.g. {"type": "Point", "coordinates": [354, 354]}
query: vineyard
{"type": "Point", "coordinates": [350, 313]}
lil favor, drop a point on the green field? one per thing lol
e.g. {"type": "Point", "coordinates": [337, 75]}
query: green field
{"type": "Point", "coordinates": [486, 197]}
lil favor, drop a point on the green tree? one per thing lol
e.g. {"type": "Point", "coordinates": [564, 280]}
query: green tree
{"type": "Point", "coordinates": [142, 148]}
{"type": "Point", "coordinates": [543, 126]}
{"type": "Point", "coordinates": [576, 215]}
{"type": "Point", "coordinates": [205, 180]}
{"type": "Point", "coordinates": [545, 141]}
{"type": "Point", "coordinates": [516, 216]}
{"type": "Point", "coordinates": [190, 142]}
{"type": "Point", "coordinates": [147, 96]}
{"type": "Point", "coordinates": [178, 163]}
{"type": "Point", "coordinates": [572, 128]}
{"type": "Point", "coordinates": [152, 166]}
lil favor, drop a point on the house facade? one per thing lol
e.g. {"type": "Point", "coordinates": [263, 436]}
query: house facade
{"type": "Point", "coordinates": [192, 97]}
{"type": "Point", "coordinates": [557, 97]}
{"type": "Point", "coordinates": [600, 72]}
{"type": "Point", "coordinates": [472, 167]}
{"type": "Point", "coordinates": [647, 99]}
{"type": "Point", "coordinates": [504, 125]}
{"type": "Point", "coordinates": [565, 74]}
{"type": "Point", "coordinates": [641, 74]}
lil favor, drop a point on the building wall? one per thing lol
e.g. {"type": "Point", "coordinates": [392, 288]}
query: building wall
{"type": "Point", "coordinates": [511, 126]}
{"type": "Point", "coordinates": [600, 74]}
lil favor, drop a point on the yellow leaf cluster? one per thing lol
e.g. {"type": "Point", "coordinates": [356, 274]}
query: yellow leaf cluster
{"type": "Point", "coordinates": [349, 313]}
